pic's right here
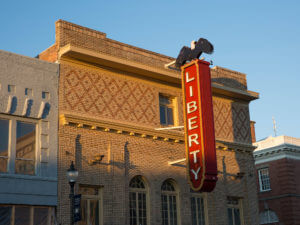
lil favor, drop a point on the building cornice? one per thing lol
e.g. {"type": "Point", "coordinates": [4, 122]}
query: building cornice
{"type": "Point", "coordinates": [278, 152]}
{"type": "Point", "coordinates": [143, 132]}
{"type": "Point", "coordinates": [166, 75]}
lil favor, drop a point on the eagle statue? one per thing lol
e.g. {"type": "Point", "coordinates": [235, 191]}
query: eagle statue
{"type": "Point", "coordinates": [197, 48]}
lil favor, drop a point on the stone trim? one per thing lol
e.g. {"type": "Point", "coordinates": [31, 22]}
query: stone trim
{"type": "Point", "coordinates": [143, 132]}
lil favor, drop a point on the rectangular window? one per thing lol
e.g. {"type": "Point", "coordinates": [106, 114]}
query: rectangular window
{"type": "Point", "coordinates": [25, 148]}
{"type": "Point", "coordinates": [4, 134]}
{"type": "Point", "coordinates": [264, 179]}
{"type": "Point", "coordinates": [17, 146]}
{"type": "Point", "coordinates": [166, 110]}
{"type": "Point", "coordinates": [197, 209]}
{"type": "Point", "coordinates": [91, 205]}
{"type": "Point", "coordinates": [26, 215]}
{"type": "Point", "coordinates": [169, 209]}
{"type": "Point", "coordinates": [234, 211]}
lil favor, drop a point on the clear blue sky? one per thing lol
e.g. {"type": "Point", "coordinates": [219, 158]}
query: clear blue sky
{"type": "Point", "coordinates": [259, 38]}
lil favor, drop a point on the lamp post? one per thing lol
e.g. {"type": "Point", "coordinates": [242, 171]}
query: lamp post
{"type": "Point", "coordinates": [72, 175]}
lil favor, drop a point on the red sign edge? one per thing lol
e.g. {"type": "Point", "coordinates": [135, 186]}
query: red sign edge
{"type": "Point", "coordinates": [208, 181]}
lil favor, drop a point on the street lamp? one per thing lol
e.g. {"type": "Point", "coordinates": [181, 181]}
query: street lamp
{"type": "Point", "coordinates": [72, 175]}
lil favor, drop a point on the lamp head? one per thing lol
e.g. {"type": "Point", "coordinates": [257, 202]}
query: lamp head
{"type": "Point", "coordinates": [72, 173]}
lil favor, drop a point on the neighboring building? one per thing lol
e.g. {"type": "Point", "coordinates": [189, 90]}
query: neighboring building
{"type": "Point", "coordinates": [277, 161]}
{"type": "Point", "coordinates": [112, 96]}
{"type": "Point", "coordinates": [28, 140]}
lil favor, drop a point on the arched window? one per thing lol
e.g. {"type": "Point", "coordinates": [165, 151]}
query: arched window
{"type": "Point", "coordinates": [169, 203]}
{"type": "Point", "coordinates": [137, 201]}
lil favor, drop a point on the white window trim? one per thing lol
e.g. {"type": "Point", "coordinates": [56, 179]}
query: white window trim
{"type": "Point", "coordinates": [12, 144]}
{"type": "Point", "coordinates": [260, 180]}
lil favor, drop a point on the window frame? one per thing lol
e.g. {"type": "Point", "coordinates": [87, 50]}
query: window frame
{"type": "Point", "coordinates": [238, 206]}
{"type": "Point", "coordinates": [261, 180]}
{"type": "Point", "coordinates": [98, 197]}
{"type": "Point", "coordinates": [204, 198]}
{"type": "Point", "coordinates": [12, 144]}
{"type": "Point", "coordinates": [143, 191]}
{"type": "Point", "coordinates": [51, 213]}
{"type": "Point", "coordinates": [173, 105]}
{"type": "Point", "coordinates": [169, 194]}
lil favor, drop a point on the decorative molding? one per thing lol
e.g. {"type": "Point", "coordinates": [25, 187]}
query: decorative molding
{"type": "Point", "coordinates": [120, 128]}
{"type": "Point", "coordinates": [144, 132]}
{"type": "Point", "coordinates": [268, 155]}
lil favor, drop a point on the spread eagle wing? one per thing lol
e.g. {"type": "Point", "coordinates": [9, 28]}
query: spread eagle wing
{"type": "Point", "coordinates": [183, 56]}
{"type": "Point", "coordinates": [202, 45]}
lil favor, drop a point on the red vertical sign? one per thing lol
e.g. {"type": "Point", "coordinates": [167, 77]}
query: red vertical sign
{"type": "Point", "coordinates": [199, 126]}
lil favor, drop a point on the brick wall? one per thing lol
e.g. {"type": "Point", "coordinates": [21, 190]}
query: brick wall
{"type": "Point", "coordinates": [283, 198]}
{"type": "Point", "coordinates": [96, 93]}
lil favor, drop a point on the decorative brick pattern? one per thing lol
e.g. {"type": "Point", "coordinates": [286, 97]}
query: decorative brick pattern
{"type": "Point", "coordinates": [93, 91]}
{"type": "Point", "coordinates": [99, 94]}
{"type": "Point", "coordinates": [232, 121]}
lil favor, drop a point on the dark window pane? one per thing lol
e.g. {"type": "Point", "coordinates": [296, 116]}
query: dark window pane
{"type": "Point", "coordinates": [162, 110]}
{"type": "Point", "coordinates": [4, 134]}
{"type": "Point", "coordinates": [137, 182]}
{"type": "Point", "coordinates": [237, 217]}
{"type": "Point", "coordinates": [193, 209]}
{"type": "Point", "coordinates": [94, 212]}
{"type": "Point", "coordinates": [167, 186]}
{"type": "Point", "coordinates": [133, 208]}
{"type": "Point", "coordinates": [3, 165]}
{"type": "Point", "coordinates": [25, 148]}
{"type": "Point", "coordinates": [5, 215]}
{"type": "Point", "coordinates": [164, 100]}
{"type": "Point", "coordinates": [170, 116]}
{"type": "Point", "coordinates": [83, 209]}
{"type": "Point", "coordinates": [22, 215]}
{"type": "Point", "coordinates": [4, 126]}
{"type": "Point", "coordinates": [230, 219]}
{"type": "Point", "coordinates": [40, 216]}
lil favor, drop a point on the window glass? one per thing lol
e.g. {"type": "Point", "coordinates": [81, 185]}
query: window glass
{"type": "Point", "coordinates": [168, 203]}
{"type": "Point", "coordinates": [25, 148]}
{"type": "Point", "coordinates": [166, 110]}
{"type": "Point", "coordinates": [237, 217]}
{"type": "Point", "coordinates": [40, 216]}
{"type": "Point", "coordinates": [90, 205]}
{"type": "Point", "coordinates": [4, 133]}
{"type": "Point", "coordinates": [170, 116]}
{"type": "Point", "coordinates": [137, 201]}
{"type": "Point", "coordinates": [5, 215]}
{"type": "Point", "coordinates": [22, 215]}
{"type": "Point", "coordinates": [94, 212]}
{"type": "Point", "coordinates": [233, 210]}
{"type": "Point", "coordinates": [264, 179]}
{"type": "Point", "coordinates": [197, 208]}
{"type": "Point", "coordinates": [230, 219]}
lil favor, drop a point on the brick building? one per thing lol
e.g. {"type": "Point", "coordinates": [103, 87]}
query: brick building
{"type": "Point", "coordinates": [277, 160]}
{"type": "Point", "coordinates": [112, 96]}
{"type": "Point", "coordinates": [28, 140]}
